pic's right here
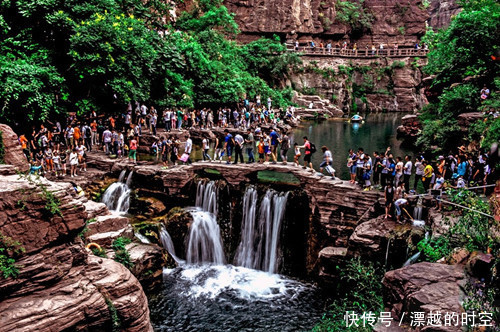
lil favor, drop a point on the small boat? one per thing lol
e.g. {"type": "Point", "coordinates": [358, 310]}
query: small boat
{"type": "Point", "coordinates": [356, 118]}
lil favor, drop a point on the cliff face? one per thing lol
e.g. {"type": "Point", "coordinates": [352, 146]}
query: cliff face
{"type": "Point", "coordinates": [441, 13]}
{"type": "Point", "coordinates": [374, 85]}
{"type": "Point", "coordinates": [400, 22]}
{"type": "Point", "coordinates": [60, 285]}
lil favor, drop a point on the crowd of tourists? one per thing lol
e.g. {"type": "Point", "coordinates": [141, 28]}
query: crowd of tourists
{"type": "Point", "coordinates": [339, 47]}
{"type": "Point", "coordinates": [53, 148]}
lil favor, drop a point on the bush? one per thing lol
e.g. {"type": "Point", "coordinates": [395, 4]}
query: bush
{"type": "Point", "coordinates": [121, 254]}
{"type": "Point", "coordinates": [359, 290]}
{"type": "Point", "coordinates": [9, 249]}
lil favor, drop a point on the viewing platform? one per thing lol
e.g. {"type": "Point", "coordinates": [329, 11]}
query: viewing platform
{"type": "Point", "coordinates": [359, 53]}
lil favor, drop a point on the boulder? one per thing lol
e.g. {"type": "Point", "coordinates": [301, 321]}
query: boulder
{"type": "Point", "coordinates": [59, 282]}
{"type": "Point", "coordinates": [13, 152]}
{"type": "Point", "coordinates": [95, 209]}
{"type": "Point", "coordinates": [424, 287]}
{"type": "Point", "coordinates": [328, 259]}
{"type": "Point", "coordinates": [466, 119]}
{"type": "Point", "coordinates": [148, 260]}
{"type": "Point", "coordinates": [480, 265]}
{"type": "Point", "coordinates": [108, 228]}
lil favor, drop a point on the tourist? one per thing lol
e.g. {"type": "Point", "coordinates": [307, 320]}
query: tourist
{"type": "Point", "coordinates": [307, 154]}
{"type": "Point", "coordinates": [377, 168]}
{"type": "Point", "coordinates": [327, 159]}
{"type": "Point", "coordinates": [438, 187]}
{"type": "Point", "coordinates": [399, 169]}
{"type": "Point", "coordinates": [485, 93]}
{"type": "Point", "coordinates": [107, 139]}
{"type": "Point", "coordinates": [400, 190]}
{"type": "Point", "coordinates": [427, 176]}
{"type": "Point", "coordinates": [249, 142]}
{"type": "Point", "coordinates": [80, 149]}
{"type": "Point", "coordinates": [261, 149]}
{"type": "Point", "coordinates": [76, 135]}
{"type": "Point", "coordinates": [238, 148]}
{"type": "Point", "coordinates": [360, 161]}
{"type": "Point", "coordinates": [63, 162]}
{"type": "Point", "coordinates": [267, 146]}
{"type": "Point", "coordinates": [228, 145]}
{"type": "Point", "coordinates": [285, 145]}
{"type": "Point", "coordinates": [218, 149]}
{"type": "Point", "coordinates": [206, 146]}
{"type": "Point", "coordinates": [24, 145]}
{"type": "Point", "coordinates": [57, 163]}
{"type": "Point", "coordinates": [389, 199]}
{"type": "Point", "coordinates": [188, 148]}
{"type": "Point", "coordinates": [68, 135]}
{"type": "Point", "coordinates": [419, 171]}
{"type": "Point", "coordinates": [174, 154]}
{"type": "Point", "coordinates": [48, 159]}
{"type": "Point", "coordinates": [400, 204]}
{"type": "Point", "coordinates": [351, 165]}
{"type": "Point", "coordinates": [407, 171]}
{"type": "Point", "coordinates": [296, 156]}
{"type": "Point", "coordinates": [73, 162]}
{"type": "Point", "coordinates": [87, 136]}
{"type": "Point", "coordinates": [56, 136]}
{"type": "Point", "coordinates": [274, 145]}
{"type": "Point", "coordinates": [132, 154]}
{"type": "Point", "coordinates": [367, 172]}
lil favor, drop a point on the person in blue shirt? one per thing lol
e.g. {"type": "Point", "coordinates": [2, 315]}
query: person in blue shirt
{"type": "Point", "coordinates": [462, 166]}
{"type": "Point", "coordinates": [274, 145]}
{"type": "Point", "coordinates": [228, 145]}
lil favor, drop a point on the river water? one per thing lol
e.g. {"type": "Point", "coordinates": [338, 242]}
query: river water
{"type": "Point", "coordinates": [375, 134]}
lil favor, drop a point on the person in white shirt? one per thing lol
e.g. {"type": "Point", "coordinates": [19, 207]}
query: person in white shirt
{"type": "Point", "coordinates": [407, 171]}
{"type": "Point", "coordinates": [188, 148]}
{"type": "Point", "coordinates": [206, 146]}
{"type": "Point", "coordinates": [399, 170]}
{"type": "Point", "coordinates": [73, 162]}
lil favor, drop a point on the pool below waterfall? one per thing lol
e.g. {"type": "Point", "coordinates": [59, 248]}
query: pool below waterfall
{"type": "Point", "coordinates": [233, 298]}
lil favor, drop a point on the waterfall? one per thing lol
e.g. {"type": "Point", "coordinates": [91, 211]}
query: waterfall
{"type": "Point", "coordinates": [245, 254]}
{"type": "Point", "coordinates": [258, 248]}
{"type": "Point", "coordinates": [117, 196]}
{"type": "Point", "coordinates": [204, 243]}
{"type": "Point", "coordinates": [414, 258]}
{"type": "Point", "coordinates": [417, 214]}
{"type": "Point", "coordinates": [206, 196]}
{"type": "Point", "coordinates": [168, 245]}
{"type": "Point", "coordinates": [387, 251]}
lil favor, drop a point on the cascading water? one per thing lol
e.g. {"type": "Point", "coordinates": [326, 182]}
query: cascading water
{"type": "Point", "coordinates": [414, 258]}
{"type": "Point", "coordinates": [167, 243]}
{"type": "Point", "coordinates": [205, 294]}
{"type": "Point", "coordinates": [117, 196]}
{"type": "Point", "coordinates": [259, 240]}
{"type": "Point", "coordinates": [204, 243]}
{"type": "Point", "coordinates": [206, 196]}
{"type": "Point", "coordinates": [417, 214]}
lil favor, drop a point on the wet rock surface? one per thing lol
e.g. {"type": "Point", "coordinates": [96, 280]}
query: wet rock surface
{"type": "Point", "coordinates": [424, 287]}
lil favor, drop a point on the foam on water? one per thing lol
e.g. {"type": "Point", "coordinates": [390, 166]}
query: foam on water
{"type": "Point", "coordinates": [244, 283]}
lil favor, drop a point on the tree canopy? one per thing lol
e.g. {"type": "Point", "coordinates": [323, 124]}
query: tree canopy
{"type": "Point", "coordinates": [72, 55]}
{"type": "Point", "coordinates": [461, 59]}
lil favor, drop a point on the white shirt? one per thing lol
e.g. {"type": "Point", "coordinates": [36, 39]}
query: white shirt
{"type": "Point", "coordinates": [408, 167]}
{"type": "Point", "coordinates": [189, 146]}
{"type": "Point", "coordinates": [205, 144]}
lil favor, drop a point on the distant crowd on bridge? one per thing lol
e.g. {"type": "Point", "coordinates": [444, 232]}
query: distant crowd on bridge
{"type": "Point", "coordinates": [353, 50]}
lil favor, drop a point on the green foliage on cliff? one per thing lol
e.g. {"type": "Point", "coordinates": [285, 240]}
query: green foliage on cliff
{"type": "Point", "coordinates": [460, 58]}
{"type": "Point", "coordinates": [58, 56]}
{"type": "Point", "coordinates": [359, 290]}
{"type": "Point", "coordinates": [354, 14]}
{"type": "Point", "coordinates": [9, 249]}
{"type": "Point", "coordinates": [121, 254]}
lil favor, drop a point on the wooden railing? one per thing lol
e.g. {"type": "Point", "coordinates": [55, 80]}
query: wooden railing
{"type": "Point", "coordinates": [361, 53]}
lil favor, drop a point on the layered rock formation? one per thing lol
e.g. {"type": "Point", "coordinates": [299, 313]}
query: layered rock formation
{"type": "Point", "coordinates": [393, 21]}
{"type": "Point", "coordinates": [363, 84]}
{"type": "Point", "coordinates": [60, 285]}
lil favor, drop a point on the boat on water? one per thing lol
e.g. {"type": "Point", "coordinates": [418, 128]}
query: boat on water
{"type": "Point", "coordinates": [356, 118]}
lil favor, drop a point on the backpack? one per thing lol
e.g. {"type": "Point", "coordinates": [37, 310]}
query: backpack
{"type": "Point", "coordinates": [313, 147]}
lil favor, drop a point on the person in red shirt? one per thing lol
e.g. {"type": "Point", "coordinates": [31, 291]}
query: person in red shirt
{"type": "Point", "coordinates": [76, 135]}
{"type": "Point", "coordinates": [307, 154]}
{"type": "Point", "coordinates": [24, 144]}
{"type": "Point", "coordinates": [132, 155]}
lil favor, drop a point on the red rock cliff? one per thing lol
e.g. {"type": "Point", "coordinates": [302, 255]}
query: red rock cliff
{"type": "Point", "coordinates": [60, 285]}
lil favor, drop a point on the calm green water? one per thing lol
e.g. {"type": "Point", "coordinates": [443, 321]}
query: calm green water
{"type": "Point", "coordinates": [375, 134]}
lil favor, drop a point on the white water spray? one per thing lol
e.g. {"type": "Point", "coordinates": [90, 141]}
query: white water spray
{"type": "Point", "coordinates": [117, 196]}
